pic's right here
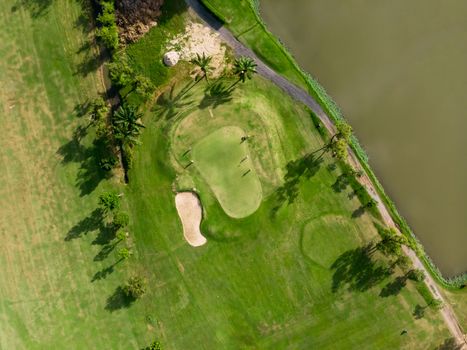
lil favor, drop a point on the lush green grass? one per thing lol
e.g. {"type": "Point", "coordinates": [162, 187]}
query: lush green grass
{"type": "Point", "coordinates": [221, 158]}
{"type": "Point", "coordinates": [253, 285]}
{"type": "Point", "coordinates": [273, 279]}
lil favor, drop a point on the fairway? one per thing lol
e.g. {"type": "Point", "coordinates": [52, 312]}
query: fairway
{"type": "Point", "coordinates": [224, 161]}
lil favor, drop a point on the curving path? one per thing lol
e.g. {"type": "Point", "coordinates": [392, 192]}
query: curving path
{"type": "Point", "coordinates": [302, 96]}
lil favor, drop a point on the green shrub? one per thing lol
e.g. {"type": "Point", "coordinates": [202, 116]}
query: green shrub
{"type": "Point", "coordinates": [109, 201]}
{"type": "Point", "coordinates": [120, 72]}
{"type": "Point", "coordinates": [121, 219]}
{"type": "Point", "coordinates": [416, 275]}
{"type": "Point", "coordinates": [135, 287]}
{"type": "Point", "coordinates": [108, 35]}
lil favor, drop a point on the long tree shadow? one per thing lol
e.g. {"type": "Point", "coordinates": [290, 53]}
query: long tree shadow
{"type": "Point", "coordinates": [296, 171]}
{"type": "Point", "coordinates": [91, 62]}
{"type": "Point", "coordinates": [170, 105]}
{"type": "Point", "coordinates": [105, 251]}
{"type": "Point", "coordinates": [118, 300]}
{"type": "Point", "coordinates": [341, 183]}
{"type": "Point", "coordinates": [106, 234]}
{"type": "Point", "coordinates": [215, 95]}
{"type": "Point", "coordinates": [357, 270]}
{"type": "Point", "coordinates": [106, 271]}
{"type": "Point", "coordinates": [36, 8]}
{"type": "Point", "coordinates": [394, 287]}
{"type": "Point", "coordinates": [90, 223]}
{"type": "Point", "coordinates": [90, 173]}
{"type": "Point", "coordinates": [419, 312]}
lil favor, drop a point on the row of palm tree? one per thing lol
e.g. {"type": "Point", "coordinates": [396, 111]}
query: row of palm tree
{"type": "Point", "coordinates": [244, 68]}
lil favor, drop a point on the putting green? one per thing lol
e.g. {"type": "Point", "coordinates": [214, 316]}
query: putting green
{"type": "Point", "coordinates": [225, 164]}
{"type": "Point", "coordinates": [318, 233]}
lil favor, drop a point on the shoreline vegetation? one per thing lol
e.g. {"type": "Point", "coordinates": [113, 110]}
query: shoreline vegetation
{"type": "Point", "coordinates": [275, 54]}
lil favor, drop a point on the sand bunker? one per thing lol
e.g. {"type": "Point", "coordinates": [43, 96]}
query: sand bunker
{"type": "Point", "coordinates": [190, 212]}
{"type": "Point", "coordinates": [199, 39]}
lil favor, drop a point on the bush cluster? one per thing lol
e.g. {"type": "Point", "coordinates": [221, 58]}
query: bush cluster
{"type": "Point", "coordinates": [108, 30]}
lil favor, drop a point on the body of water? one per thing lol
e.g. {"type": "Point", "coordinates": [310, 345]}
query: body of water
{"type": "Point", "coordinates": [398, 70]}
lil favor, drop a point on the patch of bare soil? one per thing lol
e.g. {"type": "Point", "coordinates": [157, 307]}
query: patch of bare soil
{"type": "Point", "coordinates": [190, 211]}
{"type": "Point", "coordinates": [199, 39]}
{"type": "Point", "coordinates": [136, 17]}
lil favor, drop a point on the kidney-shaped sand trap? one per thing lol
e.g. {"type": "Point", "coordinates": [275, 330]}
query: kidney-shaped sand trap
{"type": "Point", "coordinates": [190, 212]}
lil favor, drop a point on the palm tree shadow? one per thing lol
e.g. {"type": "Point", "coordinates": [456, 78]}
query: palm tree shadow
{"type": "Point", "coordinates": [90, 173]}
{"type": "Point", "coordinates": [357, 270]}
{"type": "Point", "coordinates": [90, 223]}
{"type": "Point", "coordinates": [215, 95]}
{"type": "Point", "coordinates": [118, 300]}
{"type": "Point", "coordinates": [296, 171]}
{"type": "Point", "coordinates": [170, 105]}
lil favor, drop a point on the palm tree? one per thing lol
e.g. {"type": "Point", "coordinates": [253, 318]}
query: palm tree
{"type": "Point", "coordinates": [244, 68]}
{"type": "Point", "coordinates": [126, 125]}
{"type": "Point", "coordinates": [204, 64]}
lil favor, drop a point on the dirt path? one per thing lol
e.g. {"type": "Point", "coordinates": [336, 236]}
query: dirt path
{"type": "Point", "coordinates": [302, 96]}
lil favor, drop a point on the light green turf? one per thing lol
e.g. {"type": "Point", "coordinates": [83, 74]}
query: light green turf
{"type": "Point", "coordinates": [225, 163]}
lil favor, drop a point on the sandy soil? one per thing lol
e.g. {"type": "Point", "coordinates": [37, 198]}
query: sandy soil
{"type": "Point", "coordinates": [190, 211]}
{"type": "Point", "coordinates": [199, 39]}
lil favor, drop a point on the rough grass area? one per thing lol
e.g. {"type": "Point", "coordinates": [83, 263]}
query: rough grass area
{"type": "Point", "coordinates": [58, 268]}
{"type": "Point", "coordinates": [224, 162]}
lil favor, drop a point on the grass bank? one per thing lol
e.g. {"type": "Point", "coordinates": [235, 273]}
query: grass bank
{"type": "Point", "coordinates": [244, 21]}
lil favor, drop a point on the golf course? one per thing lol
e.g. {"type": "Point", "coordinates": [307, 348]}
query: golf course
{"type": "Point", "coordinates": [287, 250]}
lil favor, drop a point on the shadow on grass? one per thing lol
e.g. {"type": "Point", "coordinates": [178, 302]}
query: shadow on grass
{"type": "Point", "coordinates": [91, 223]}
{"type": "Point", "coordinates": [105, 251]}
{"type": "Point", "coordinates": [91, 62]}
{"type": "Point", "coordinates": [118, 300]}
{"type": "Point", "coordinates": [102, 274]}
{"type": "Point", "coordinates": [450, 344]}
{"type": "Point", "coordinates": [106, 234]}
{"type": "Point", "coordinates": [90, 173]}
{"type": "Point", "coordinates": [394, 287]}
{"type": "Point", "coordinates": [215, 95]}
{"type": "Point", "coordinates": [419, 312]}
{"type": "Point", "coordinates": [296, 171]}
{"type": "Point", "coordinates": [357, 270]}
{"type": "Point", "coordinates": [170, 105]}
{"type": "Point", "coordinates": [341, 183]}
{"type": "Point", "coordinates": [358, 212]}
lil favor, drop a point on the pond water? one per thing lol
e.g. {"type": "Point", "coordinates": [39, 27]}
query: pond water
{"type": "Point", "coordinates": [398, 70]}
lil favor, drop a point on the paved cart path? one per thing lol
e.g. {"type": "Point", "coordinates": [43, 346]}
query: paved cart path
{"type": "Point", "coordinates": [303, 96]}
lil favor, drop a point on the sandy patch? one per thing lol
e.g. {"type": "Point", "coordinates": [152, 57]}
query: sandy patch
{"type": "Point", "coordinates": [190, 211]}
{"type": "Point", "coordinates": [199, 39]}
